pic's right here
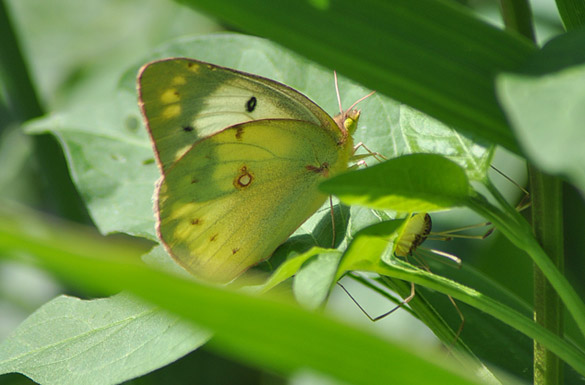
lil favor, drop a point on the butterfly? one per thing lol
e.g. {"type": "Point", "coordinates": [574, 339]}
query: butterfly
{"type": "Point", "coordinates": [241, 158]}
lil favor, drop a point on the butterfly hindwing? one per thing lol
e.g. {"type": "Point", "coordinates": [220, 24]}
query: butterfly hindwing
{"type": "Point", "coordinates": [234, 196]}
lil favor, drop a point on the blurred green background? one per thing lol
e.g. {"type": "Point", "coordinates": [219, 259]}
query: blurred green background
{"type": "Point", "coordinates": [75, 52]}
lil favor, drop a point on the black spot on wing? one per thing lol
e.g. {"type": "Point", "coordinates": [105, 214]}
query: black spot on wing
{"type": "Point", "coordinates": [188, 128]}
{"type": "Point", "coordinates": [251, 104]}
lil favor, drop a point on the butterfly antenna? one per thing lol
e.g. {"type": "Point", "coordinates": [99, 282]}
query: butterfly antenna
{"type": "Point", "coordinates": [337, 92]}
{"type": "Point", "coordinates": [361, 99]}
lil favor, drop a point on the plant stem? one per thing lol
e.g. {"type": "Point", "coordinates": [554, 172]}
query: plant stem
{"type": "Point", "coordinates": [548, 310]}
{"type": "Point", "coordinates": [547, 227]}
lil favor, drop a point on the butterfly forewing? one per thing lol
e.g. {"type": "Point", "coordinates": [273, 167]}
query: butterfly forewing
{"type": "Point", "coordinates": [184, 100]}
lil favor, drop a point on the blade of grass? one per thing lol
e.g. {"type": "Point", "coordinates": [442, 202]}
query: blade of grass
{"type": "Point", "coordinates": [519, 232]}
{"type": "Point", "coordinates": [267, 332]}
{"type": "Point", "coordinates": [572, 12]}
{"type": "Point", "coordinates": [364, 255]}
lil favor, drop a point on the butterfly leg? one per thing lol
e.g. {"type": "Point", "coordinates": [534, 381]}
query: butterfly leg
{"type": "Point", "coordinates": [379, 157]}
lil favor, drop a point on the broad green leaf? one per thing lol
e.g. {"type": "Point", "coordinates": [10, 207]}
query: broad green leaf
{"type": "Point", "coordinates": [121, 336]}
{"type": "Point", "coordinates": [411, 183]}
{"type": "Point", "coordinates": [267, 332]}
{"type": "Point", "coordinates": [482, 333]}
{"type": "Point", "coordinates": [423, 134]}
{"type": "Point", "coordinates": [312, 284]}
{"type": "Point", "coordinates": [313, 272]}
{"type": "Point", "coordinates": [433, 55]}
{"type": "Point", "coordinates": [287, 269]}
{"type": "Point", "coordinates": [371, 251]}
{"type": "Point", "coordinates": [561, 52]}
{"type": "Point", "coordinates": [547, 115]}
{"type": "Point", "coordinates": [158, 258]}
{"type": "Point", "coordinates": [366, 252]}
{"type": "Point", "coordinates": [111, 159]}
{"type": "Point", "coordinates": [543, 103]}
{"type": "Point", "coordinates": [110, 156]}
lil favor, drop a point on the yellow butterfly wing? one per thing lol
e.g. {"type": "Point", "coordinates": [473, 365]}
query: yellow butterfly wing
{"type": "Point", "coordinates": [235, 196]}
{"type": "Point", "coordinates": [184, 100]}
{"type": "Point", "coordinates": [241, 157]}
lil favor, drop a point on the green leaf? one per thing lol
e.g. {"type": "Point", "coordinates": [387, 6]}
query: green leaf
{"type": "Point", "coordinates": [110, 156]}
{"type": "Point", "coordinates": [423, 134]}
{"type": "Point", "coordinates": [267, 332]}
{"type": "Point", "coordinates": [312, 284]}
{"type": "Point", "coordinates": [365, 253]}
{"type": "Point", "coordinates": [561, 52]}
{"type": "Point", "coordinates": [547, 114]}
{"type": "Point", "coordinates": [287, 269]}
{"type": "Point", "coordinates": [430, 54]}
{"type": "Point", "coordinates": [371, 252]}
{"type": "Point", "coordinates": [482, 333]}
{"type": "Point", "coordinates": [158, 258]}
{"type": "Point", "coordinates": [572, 12]}
{"type": "Point", "coordinates": [122, 337]}
{"type": "Point", "coordinates": [519, 232]}
{"type": "Point", "coordinates": [411, 183]}
{"type": "Point", "coordinates": [111, 159]}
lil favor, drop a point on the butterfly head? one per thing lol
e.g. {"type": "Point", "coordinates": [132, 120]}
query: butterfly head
{"type": "Point", "coordinates": [347, 121]}
{"type": "Point", "coordinates": [350, 120]}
